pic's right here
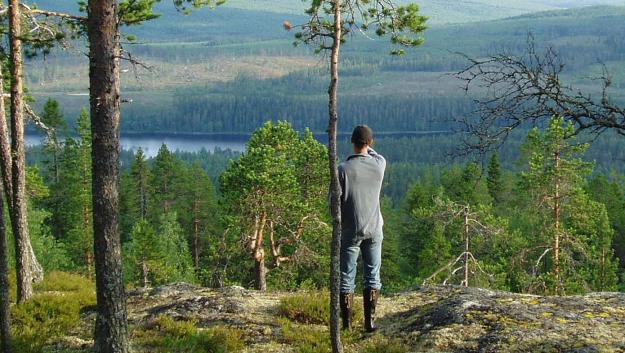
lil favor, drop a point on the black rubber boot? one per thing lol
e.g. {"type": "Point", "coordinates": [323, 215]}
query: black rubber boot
{"type": "Point", "coordinates": [347, 304]}
{"type": "Point", "coordinates": [370, 299]}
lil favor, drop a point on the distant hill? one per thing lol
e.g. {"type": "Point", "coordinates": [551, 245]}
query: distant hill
{"type": "Point", "coordinates": [444, 11]}
{"type": "Point", "coordinates": [439, 11]}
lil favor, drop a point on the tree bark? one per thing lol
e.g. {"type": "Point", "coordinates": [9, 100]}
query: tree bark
{"type": "Point", "coordinates": [5, 149]}
{"type": "Point", "coordinates": [28, 269]}
{"type": "Point", "coordinates": [260, 281]}
{"type": "Point", "coordinates": [335, 187]}
{"type": "Point", "coordinates": [5, 305]}
{"type": "Point", "coordinates": [111, 329]}
{"type": "Point", "coordinates": [261, 274]}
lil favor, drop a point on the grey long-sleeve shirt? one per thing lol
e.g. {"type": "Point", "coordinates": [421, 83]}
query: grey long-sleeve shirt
{"type": "Point", "coordinates": [361, 177]}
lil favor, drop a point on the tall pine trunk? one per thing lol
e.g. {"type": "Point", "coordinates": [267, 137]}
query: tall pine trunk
{"type": "Point", "coordinates": [111, 331]}
{"type": "Point", "coordinates": [261, 273]}
{"type": "Point", "coordinates": [335, 187]}
{"type": "Point", "coordinates": [28, 269]}
{"type": "Point", "coordinates": [5, 305]}
{"type": "Point", "coordinates": [5, 147]}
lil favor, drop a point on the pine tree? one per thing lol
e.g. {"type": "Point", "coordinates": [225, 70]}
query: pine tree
{"type": "Point", "coordinates": [103, 32]}
{"type": "Point", "coordinates": [554, 182]}
{"type": "Point", "coordinates": [270, 196]}
{"type": "Point", "coordinates": [28, 268]}
{"type": "Point", "coordinates": [329, 22]}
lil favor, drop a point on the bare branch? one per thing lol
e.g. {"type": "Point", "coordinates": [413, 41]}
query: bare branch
{"type": "Point", "coordinates": [511, 91]}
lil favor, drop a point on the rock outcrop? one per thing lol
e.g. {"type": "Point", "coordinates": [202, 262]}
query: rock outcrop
{"type": "Point", "coordinates": [428, 319]}
{"type": "Point", "coordinates": [456, 319]}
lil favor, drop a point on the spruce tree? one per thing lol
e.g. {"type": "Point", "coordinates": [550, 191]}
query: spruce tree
{"type": "Point", "coordinates": [53, 118]}
{"type": "Point", "coordinates": [158, 255]}
{"type": "Point", "coordinates": [198, 211]}
{"type": "Point", "coordinates": [494, 179]}
{"type": "Point", "coordinates": [165, 183]}
{"type": "Point", "coordinates": [71, 220]}
{"type": "Point", "coordinates": [140, 173]}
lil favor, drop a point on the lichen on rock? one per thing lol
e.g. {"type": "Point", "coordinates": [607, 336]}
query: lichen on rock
{"type": "Point", "coordinates": [427, 319]}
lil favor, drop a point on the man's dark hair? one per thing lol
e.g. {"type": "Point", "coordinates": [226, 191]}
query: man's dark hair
{"type": "Point", "coordinates": [362, 135]}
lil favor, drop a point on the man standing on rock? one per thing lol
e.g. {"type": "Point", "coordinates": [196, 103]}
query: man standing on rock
{"type": "Point", "coordinates": [361, 178]}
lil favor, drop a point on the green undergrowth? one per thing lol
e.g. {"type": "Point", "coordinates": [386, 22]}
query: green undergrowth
{"type": "Point", "coordinates": [304, 326]}
{"type": "Point", "coordinates": [316, 339]}
{"type": "Point", "coordinates": [54, 311]}
{"type": "Point", "coordinates": [313, 307]}
{"type": "Point", "coordinates": [167, 335]}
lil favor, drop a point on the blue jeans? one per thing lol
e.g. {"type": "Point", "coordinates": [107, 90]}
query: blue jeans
{"type": "Point", "coordinates": [371, 250]}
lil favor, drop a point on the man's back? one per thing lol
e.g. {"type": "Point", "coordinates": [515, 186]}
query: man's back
{"type": "Point", "coordinates": [361, 178]}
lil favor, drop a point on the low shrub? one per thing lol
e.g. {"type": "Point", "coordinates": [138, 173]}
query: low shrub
{"type": "Point", "coordinates": [305, 339]}
{"type": "Point", "coordinates": [53, 311]}
{"type": "Point", "coordinates": [312, 308]}
{"type": "Point", "coordinates": [384, 345]}
{"type": "Point", "coordinates": [307, 307]}
{"type": "Point", "coordinates": [168, 335]}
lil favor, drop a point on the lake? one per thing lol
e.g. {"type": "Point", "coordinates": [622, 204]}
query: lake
{"type": "Point", "coordinates": [150, 143]}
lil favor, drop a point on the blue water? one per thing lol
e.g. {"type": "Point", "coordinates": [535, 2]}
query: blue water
{"type": "Point", "coordinates": [150, 143]}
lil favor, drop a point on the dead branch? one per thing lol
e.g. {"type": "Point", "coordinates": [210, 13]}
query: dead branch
{"type": "Point", "coordinates": [511, 91]}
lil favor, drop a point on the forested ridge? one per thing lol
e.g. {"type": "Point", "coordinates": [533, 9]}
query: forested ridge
{"type": "Point", "coordinates": [411, 92]}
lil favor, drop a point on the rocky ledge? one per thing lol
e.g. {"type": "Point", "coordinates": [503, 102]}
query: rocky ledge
{"type": "Point", "coordinates": [428, 319]}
